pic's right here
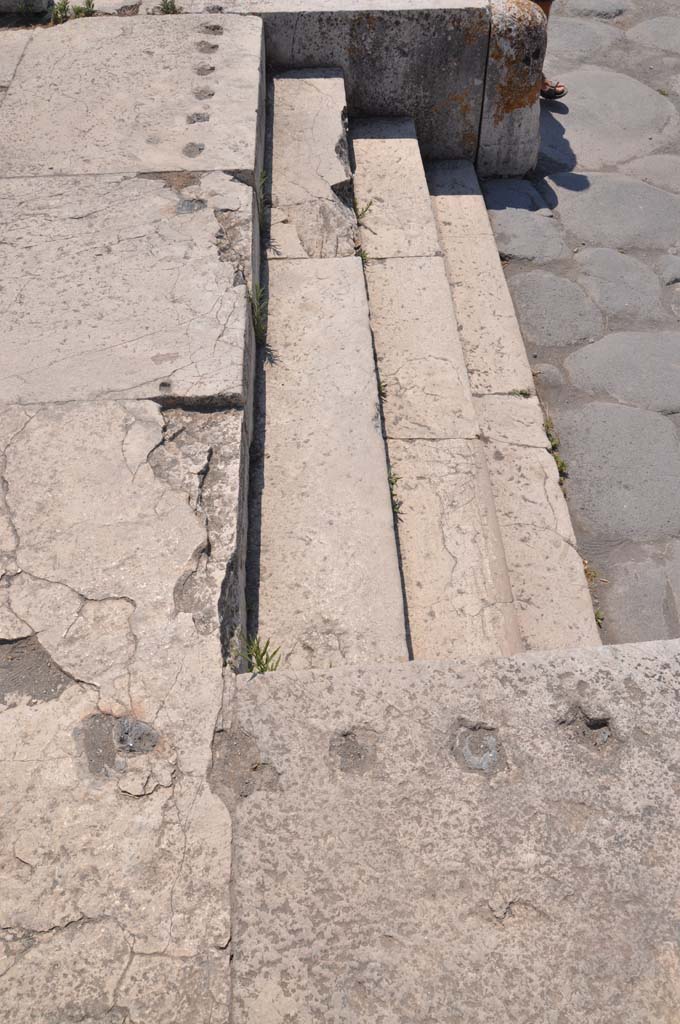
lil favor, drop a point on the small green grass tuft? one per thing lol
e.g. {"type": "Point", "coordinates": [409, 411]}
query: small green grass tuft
{"type": "Point", "coordinates": [260, 657]}
{"type": "Point", "coordinates": [521, 393]}
{"type": "Point", "coordinates": [260, 194]}
{"type": "Point", "coordinates": [61, 12]}
{"type": "Point", "coordinates": [361, 213]}
{"type": "Point", "coordinates": [397, 503]}
{"type": "Point", "coordinates": [258, 306]}
{"type": "Point", "coordinates": [85, 10]}
{"type": "Point", "coordinates": [599, 618]}
{"type": "Point", "coordinates": [382, 390]}
{"type": "Point", "coordinates": [169, 7]}
{"type": "Point", "coordinates": [554, 446]}
{"type": "Point", "coordinates": [363, 256]}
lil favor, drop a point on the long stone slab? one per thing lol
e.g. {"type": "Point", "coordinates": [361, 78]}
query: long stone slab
{"type": "Point", "coordinates": [456, 582]}
{"type": "Point", "coordinates": [127, 286]}
{"type": "Point", "coordinates": [419, 358]}
{"type": "Point", "coordinates": [329, 588]}
{"type": "Point", "coordinates": [311, 195]}
{"type": "Point", "coordinates": [459, 843]}
{"type": "Point", "coordinates": [105, 95]}
{"type": "Point", "coordinates": [459, 599]}
{"type": "Point", "coordinates": [491, 338]}
{"type": "Point", "coordinates": [552, 598]}
{"type": "Point", "coordinates": [122, 531]}
{"type": "Point", "coordinates": [391, 191]}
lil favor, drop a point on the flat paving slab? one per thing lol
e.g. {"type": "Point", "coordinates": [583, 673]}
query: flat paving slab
{"type": "Point", "coordinates": [105, 95]}
{"type": "Point", "coordinates": [126, 286]}
{"type": "Point", "coordinates": [447, 841]}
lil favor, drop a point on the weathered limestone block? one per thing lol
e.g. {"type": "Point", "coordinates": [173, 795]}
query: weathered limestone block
{"type": "Point", "coordinates": [494, 350]}
{"type": "Point", "coordinates": [456, 579]}
{"type": "Point", "coordinates": [127, 286]}
{"type": "Point", "coordinates": [553, 602]}
{"type": "Point", "coordinates": [105, 95]}
{"type": "Point", "coordinates": [311, 194]}
{"type": "Point", "coordinates": [391, 192]}
{"type": "Point", "coordinates": [329, 589]}
{"type": "Point", "coordinates": [121, 540]}
{"type": "Point", "coordinates": [461, 843]}
{"type": "Point", "coordinates": [12, 47]}
{"type": "Point", "coordinates": [509, 136]}
{"type": "Point", "coordinates": [419, 358]}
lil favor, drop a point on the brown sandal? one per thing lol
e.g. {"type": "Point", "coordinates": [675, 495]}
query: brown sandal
{"type": "Point", "coordinates": [553, 91]}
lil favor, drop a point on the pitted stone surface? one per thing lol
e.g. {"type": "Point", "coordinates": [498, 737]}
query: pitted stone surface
{"type": "Point", "coordinates": [102, 95]}
{"type": "Point", "coordinates": [662, 33]}
{"type": "Point", "coordinates": [506, 811]}
{"type": "Point", "coordinates": [12, 47]}
{"type": "Point", "coordinates": [427, 394]}
{"type": "Point", "coordinates": [456, 580]}
{"type": "Point", "coordinates": [329, 587]}
{"type": "Point", "coordinates": [624, 471]}
{"type": "Point", "coordinates": [659, 169]}
{"type": "Point", "coordinates": [311, 196]}
{"type": "Point", "coordinates": [641, 369]}
{"type": "Point", "coordinates": [553, 311]}
{"type": "Point", "coordinates": [126, 286]}
{"type": "Point", "coordinates": [620, 285]}
{"type": "Point", "coordinates": [605, 9]}
{"type": "Point", "coordinates": [390, 187]}
{"type": "Point", "coordinates": [522, 223]}
{"type": "Point", "coordinates": [618, 117]}
{"type": "Point", "coordinates": [591, 206]}
{"type": "Point", "coordinates": [119, 527]}
{"type": "Point", "coordinates": [575, 41]}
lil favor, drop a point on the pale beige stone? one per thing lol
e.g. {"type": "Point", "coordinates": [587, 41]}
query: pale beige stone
{"type": "Point", "coordinates": [462, 842]}
{"type": "Point", "coordinates": [127, 531]}
{"type": "Point", "coordinates": [311, 194]}
{"type": "Point", "coordinates": [329, 580]}
{"type": "Point", "coordinates": [512, 419]}
{"type": "Point", "coordinates": [105, 95]}
{"type": "Point", "coordinates": [492, 341]}
{"type": "Point", "coordinates": [457, 588]}
{"type": "Point", "coordinates": [551, 595]}
{"type": "Point", "coordinates": [391, 191]}
{"type": "Point", "coordinates": [12, 47]}
{"type": "Point", "coordinates": [126, 286]}
{"type": "Point", "coordinates": [420, 361]}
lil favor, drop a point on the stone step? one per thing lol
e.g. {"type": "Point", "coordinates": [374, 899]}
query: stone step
{"type": "Point", "coordinates": [327, 586]}
{"type": "Point", "coordinates": [550, 591]}
{"type": "Point", "coordinates": [329, 583]}
{"type": "Point", "coordinates": [447, 841]}
{"type": "Point", "coordinates": [310, 213]}
{"type": "Point", "coordinates": [457, 586]}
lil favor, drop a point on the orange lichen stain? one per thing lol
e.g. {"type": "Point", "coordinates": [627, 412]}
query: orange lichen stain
{"type": "Point", "coordinates": [454, 99]}
{"type": "Point", "coordinates": [515, 93]}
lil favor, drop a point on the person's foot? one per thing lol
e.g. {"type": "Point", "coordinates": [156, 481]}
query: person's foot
{"type": "Point", "coordinates": [553, 90]}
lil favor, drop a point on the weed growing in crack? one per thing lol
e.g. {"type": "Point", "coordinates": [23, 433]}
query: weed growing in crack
{"type": "Point", "coordinates": [259, 195]}
{"type": "Point", "coordinates": [260, 657]}
{"type": "Point", "coordinates": [169, 7]}
{"type": "Point", "coordinates": [554, 445]}
{"type": "Point", "coordinates": [60, 12]}
{"type": "Point", "coordinates": [363, 256]}
{"type": "Point", "coordinates": [521, 393]}
{"type": "Point", "coordinates": [397, 503]}
{"type": "Point", "coordinates": [360, 213]}
{"type": "Point", "coordinates": [382, 390]}
{"type": "Point", "coordinates": [599, 618]}
{"type": "Point", "coordinates": [85, 10]}
{"type": "Point", "coordinates": [258, 306]}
